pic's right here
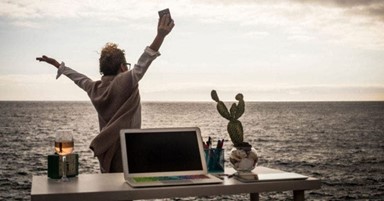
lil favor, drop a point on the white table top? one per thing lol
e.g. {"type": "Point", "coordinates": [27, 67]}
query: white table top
{"type": "Point", "coordinates": [113, 187]}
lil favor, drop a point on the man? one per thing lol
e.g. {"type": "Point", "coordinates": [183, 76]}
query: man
{"type": "Point", "coordinates": [116, 96]}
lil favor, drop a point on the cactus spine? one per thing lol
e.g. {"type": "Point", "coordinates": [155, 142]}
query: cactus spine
{"type": "Point", "coordinates": [234, 127]}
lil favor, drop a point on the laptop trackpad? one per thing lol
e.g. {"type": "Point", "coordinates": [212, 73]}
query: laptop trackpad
{"type": "Point", "coordinates": [177, 182]}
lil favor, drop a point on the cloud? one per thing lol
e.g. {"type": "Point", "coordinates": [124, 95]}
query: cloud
{"type": "Point", "coordinates": [227, 10]}
{"type": "Point", "coordinates": [351, 22]}
{"type": "Point", "coordinates": [358, 24]}
{"type": "Point", "coordinates": [370, 8]}
{"type": "Point", "coordinates": [102, 10]}
{"type": "Point", "coordinates": [18, 10]}
{"type": "Point", "coordinates": [344, 3]}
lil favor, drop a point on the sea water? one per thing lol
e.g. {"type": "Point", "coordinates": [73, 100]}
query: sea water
{"type": "Point", "coordinates": [341, 143]}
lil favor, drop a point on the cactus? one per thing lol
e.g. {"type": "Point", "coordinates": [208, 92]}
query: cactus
{"type": "Point", "coordinates": [234, 127]}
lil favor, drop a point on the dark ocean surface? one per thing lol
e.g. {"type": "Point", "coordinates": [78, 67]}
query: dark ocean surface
{"type": "Point", "coordinates": [341, 143]}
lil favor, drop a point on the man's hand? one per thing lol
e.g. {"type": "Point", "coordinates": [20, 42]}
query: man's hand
{"type": "Point", "coordinates": [165, 25]}
{"type": "Point", "coordinates": [49, 60]}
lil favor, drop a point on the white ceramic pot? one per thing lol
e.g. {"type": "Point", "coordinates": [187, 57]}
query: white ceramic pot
{"type": "Point", "coordinates": [243, 159]}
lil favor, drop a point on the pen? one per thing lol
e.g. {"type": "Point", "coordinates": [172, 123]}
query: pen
{"type": "Point", "coordinates": [209, 142]}
{"type": "Point", "coordinates": [220, 144]}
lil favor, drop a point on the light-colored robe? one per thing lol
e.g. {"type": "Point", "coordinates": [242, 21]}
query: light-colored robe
{"type": "Point", "coordinates": [117, 102]}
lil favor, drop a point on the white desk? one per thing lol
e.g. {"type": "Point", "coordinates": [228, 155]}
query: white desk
{"type": "Point", "coordinates": [113, 187]}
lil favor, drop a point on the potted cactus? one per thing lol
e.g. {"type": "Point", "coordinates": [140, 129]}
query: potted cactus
{"type": "Point", "coordinates": [243, 156]}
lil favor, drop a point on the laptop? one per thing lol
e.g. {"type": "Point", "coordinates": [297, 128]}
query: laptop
{"type": "Point", "coordinates": [270, 177]}
{"type": "Point", "coordinates": [164, 157]}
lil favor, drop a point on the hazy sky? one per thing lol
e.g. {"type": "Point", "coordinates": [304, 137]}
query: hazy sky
{"type": "Point", "coordinates": [270, 50]}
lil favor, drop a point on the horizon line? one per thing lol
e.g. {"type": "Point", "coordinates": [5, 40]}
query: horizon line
{"type": "Point", "coordinates": [201, 101]}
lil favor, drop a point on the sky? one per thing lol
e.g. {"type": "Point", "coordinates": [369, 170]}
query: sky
{"type": "Point", "coordinates": [268, 50]}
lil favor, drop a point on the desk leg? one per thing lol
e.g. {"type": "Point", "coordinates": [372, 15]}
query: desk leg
{"type": "Point", "coordinates": [254, 196]}
{"type": "Point", "coordinates": [298, 195]}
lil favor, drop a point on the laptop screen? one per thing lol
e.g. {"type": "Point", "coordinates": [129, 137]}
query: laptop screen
{"type": "Point", "coordinates": [162, 151]}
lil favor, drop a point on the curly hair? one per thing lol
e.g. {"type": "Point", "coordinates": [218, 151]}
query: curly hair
{"type": "Point", "coordinates": [110, 59]}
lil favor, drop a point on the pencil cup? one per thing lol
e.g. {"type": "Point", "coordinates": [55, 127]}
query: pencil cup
{"type": "Point", "coordinates": [215, 160]}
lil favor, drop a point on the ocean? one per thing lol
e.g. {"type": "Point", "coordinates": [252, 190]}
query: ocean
{"type": "Point", "coordinates": [341, 143]}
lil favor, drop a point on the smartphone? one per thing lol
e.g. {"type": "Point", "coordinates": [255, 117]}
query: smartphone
{"type": "Point", "coordinates": [165, 11]}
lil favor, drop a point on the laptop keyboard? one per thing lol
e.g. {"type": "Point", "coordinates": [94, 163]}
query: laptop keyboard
{"type": "Point", "coordinates": [169, 178]}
